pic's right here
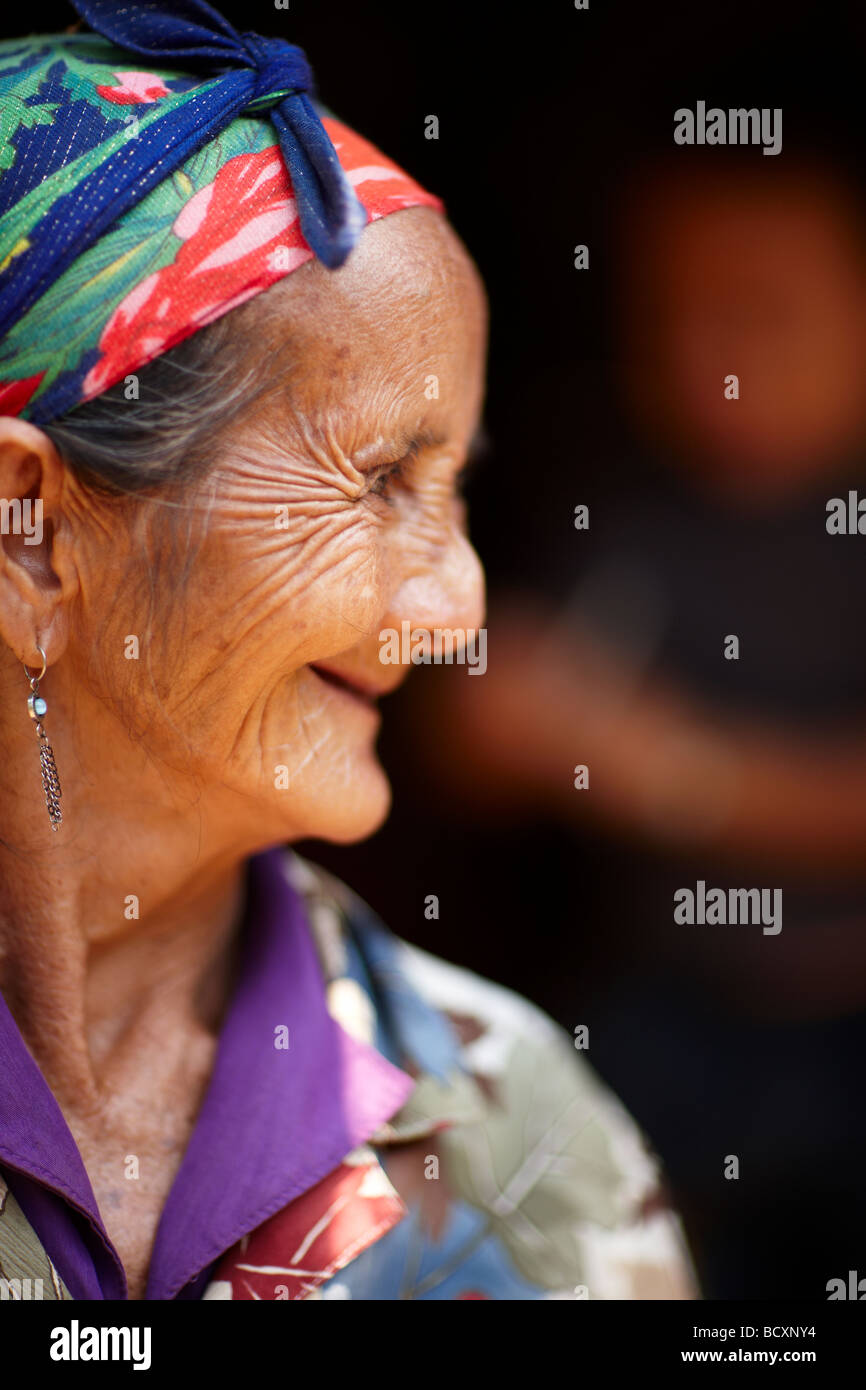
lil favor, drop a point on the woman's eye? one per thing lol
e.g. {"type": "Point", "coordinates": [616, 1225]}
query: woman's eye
{"type": "Point", "coordinates": [381, 485]}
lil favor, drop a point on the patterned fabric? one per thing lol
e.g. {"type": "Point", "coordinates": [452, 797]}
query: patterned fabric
{"type": "Point", "coordinates": [315, 1236]}
{"type": "Point", "coordinates": [199, 237]}
{"type": "Point", "coordinates": [26, 1273]}
{"type": "Point", "coordinates": [511, 1172]}
{"type": "Point", "coordinates": [256, 74]}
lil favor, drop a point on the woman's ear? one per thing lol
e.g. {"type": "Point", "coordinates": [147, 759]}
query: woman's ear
{"type": "Point", "coordinates": [32, 607]}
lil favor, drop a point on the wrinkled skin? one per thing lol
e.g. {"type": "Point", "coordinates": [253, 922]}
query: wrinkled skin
{"type": "Point", "coordinates": [170, 763]}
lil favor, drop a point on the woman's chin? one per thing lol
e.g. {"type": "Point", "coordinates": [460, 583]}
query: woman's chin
{"type": "Point", "coordinates": [345, 811]}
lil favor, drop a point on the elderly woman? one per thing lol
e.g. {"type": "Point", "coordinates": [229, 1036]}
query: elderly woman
{"type": "Point", "coordinates": [220, 1076]}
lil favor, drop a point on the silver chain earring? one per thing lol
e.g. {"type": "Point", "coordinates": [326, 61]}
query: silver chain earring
{"type": "Point", "coordinates": [37, 708]}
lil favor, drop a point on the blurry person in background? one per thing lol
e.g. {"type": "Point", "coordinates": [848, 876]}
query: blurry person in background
{"type": "Point", "coordinates": [742, 764]}
{"type": "Point", "coordinates": [755, 761]}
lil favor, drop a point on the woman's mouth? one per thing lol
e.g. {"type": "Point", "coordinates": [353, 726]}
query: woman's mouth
{"type": "Point", "coordinates": [348, 685]}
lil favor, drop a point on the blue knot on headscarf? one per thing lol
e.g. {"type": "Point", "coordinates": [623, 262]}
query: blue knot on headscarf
{"type": "Point", "coordinates": [250, 74]}
{"type": "Point", "coordinates": [281, 69]}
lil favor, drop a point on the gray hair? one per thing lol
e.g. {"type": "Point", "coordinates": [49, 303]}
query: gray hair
{"type": "Point", "coordinates": [160, 446]}
{"type": "Point", "coordinates": [185, 398]}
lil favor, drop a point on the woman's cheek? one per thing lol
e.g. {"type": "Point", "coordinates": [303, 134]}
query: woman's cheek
{"type": "Point", "coordinates": [349, 592]}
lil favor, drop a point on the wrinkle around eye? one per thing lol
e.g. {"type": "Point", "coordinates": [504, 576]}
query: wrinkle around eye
{"type": "Point", "coordinates": [306, 460]}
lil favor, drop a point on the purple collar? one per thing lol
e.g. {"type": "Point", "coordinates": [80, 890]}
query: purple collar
{"type": "Point", "coordinates": [274, 1121]}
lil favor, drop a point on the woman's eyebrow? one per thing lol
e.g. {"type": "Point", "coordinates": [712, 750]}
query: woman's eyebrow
{"type": "Point", "coordinates": [478, 445]}
{"type": "Point", "coordinates": [386, 452]}
{"type": "Point", "coordinates": [423, 439]}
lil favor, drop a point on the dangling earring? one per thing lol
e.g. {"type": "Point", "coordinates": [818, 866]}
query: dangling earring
{"type": "Point", "coordinates": [37, 707]}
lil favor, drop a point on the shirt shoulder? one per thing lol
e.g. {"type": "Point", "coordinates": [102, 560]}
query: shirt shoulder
{"type": "Point", "coordinates": [510, 1138]}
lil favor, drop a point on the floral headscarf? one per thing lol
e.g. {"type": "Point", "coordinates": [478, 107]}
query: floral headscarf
{"type": "Point", "coordinates": [211, 232]}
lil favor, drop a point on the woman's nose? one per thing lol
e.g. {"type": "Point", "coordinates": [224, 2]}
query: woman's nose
{"type": "Point", "coordinates": [447, 597]}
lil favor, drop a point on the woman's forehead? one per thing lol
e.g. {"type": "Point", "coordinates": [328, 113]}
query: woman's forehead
{"type": "Point", "coordinates": [411, 259]}
{"type": "Point", "coordinates": [409, 300]}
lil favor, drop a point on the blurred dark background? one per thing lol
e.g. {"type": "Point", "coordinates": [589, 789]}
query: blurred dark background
{"type": "Point", "coordinates": [707, 518]}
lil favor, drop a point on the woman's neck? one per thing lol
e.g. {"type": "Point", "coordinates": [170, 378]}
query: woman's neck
{"type": "Point", "coordinates": [97, 954]}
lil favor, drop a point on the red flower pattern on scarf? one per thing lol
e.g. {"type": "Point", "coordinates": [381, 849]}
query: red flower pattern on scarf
{"type": "Point", "coordinates": [240, 235]}
{"type": "Point", "coordinates": [134, 88]}
{"type": "Point", "coordinates": [14, 395]}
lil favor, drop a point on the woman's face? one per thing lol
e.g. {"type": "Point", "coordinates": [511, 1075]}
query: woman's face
{"type": "Point", "coordinates": [332, 513]}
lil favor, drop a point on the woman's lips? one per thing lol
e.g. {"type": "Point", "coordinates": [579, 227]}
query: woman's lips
{"type": "Point", "coordinates": [348, 685]}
